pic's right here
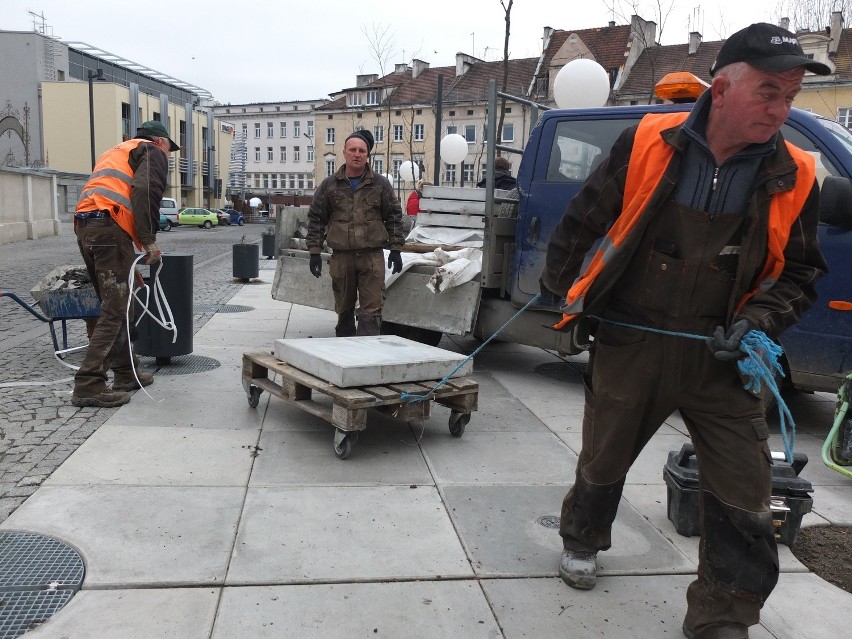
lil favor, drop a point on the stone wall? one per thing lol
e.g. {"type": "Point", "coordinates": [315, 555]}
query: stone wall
{"type": "Point", "coordinates": [28, 205]}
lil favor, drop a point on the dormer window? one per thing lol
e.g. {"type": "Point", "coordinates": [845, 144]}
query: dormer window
{"type": "Point", "coordinates": [372, 98]}
{"type": "Point", "coordinates": [354, 99]}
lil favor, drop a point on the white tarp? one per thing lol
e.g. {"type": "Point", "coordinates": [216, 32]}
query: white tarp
{"type": "Point", "coordinates": [446, 235]}
{"type": "Point", "coordinates": [452, 268]}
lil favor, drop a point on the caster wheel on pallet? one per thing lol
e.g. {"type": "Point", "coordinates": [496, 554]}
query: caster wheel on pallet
{"type": "Point", "coordinates": [254, 396]}
{"type": "Point", "coordinates": [457, 423]}
{"type": "Point", "coordinates": [343, 442]}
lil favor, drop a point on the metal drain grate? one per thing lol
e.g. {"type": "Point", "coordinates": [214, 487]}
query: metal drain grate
{"type": "Point", "coordinates": [548, 521]}
{"type": "Point", "coordinates": [221, 308]}
{"type": "Point", "coordinates": [184, 365]}
{"type": "Point", "coordinates": [562, 371]}
{"type": "Point", "coordinates": [40, 575]}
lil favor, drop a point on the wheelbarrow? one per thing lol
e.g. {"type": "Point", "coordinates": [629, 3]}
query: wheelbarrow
{"type": "Point", "coordinates": [60, 305]}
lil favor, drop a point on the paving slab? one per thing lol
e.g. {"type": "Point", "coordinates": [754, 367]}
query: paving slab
{"type": "Point", "coordinates": [305, 534]}
{"type": "Point", "coordinates": [508, 531]}
{"type": "Point", "coordinates": [414, 610]}
{"type": "Point", "coordinates": [385, 453]}
{"type": "Point", "coordinates": [362, 361]}
{"type": "Point", "coordinates": [498, 458]}
{"type": "Point", "coordinates": [165, 456]}
{"type": "Point", "coordinates": [131, 535]}
{"type": "Point", "coordinates": [649, 607]}
{"type": "Point", "coordinates": [804, 605]}
{"type": "Point", "coordinates": [186, 613]}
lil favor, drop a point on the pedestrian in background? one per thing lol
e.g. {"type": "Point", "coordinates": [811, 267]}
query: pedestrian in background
{"type": "Point", "coordinates": [503, 178]}
{"type": "Point", "coordinates": [119, 208]}
{"type": "Point", "coordinates": [357, 213]}
{"type": "Point", "coordinates": [710, 220]}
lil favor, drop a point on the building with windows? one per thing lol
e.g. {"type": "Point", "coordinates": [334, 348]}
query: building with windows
{"type": "Point", "coordinates": [55, 89]}
{"type": "Point", "coordinates": [273, 153]}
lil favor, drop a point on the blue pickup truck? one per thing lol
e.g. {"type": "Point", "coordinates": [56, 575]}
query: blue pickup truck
{"type": "Point", "coordinates": [567, 145]}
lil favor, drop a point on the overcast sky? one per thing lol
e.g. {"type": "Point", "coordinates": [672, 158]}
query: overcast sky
{"type": "Point", "coordinates": [267, 50]}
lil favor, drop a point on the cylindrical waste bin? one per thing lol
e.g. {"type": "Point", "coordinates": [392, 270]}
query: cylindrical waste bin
{"type": "Point", "coordinates": [268, 245]}
{"type": "Point", "coordinates": [246, 261]}
{"type": "Point", "coordinates": [155, 341]}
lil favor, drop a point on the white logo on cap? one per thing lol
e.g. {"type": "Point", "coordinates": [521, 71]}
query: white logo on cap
{"type": "Point", "coordinates": [782, 40]}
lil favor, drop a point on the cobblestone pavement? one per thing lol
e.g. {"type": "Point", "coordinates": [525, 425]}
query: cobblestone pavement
{"type": "Point", "coordinates": [39, 428]}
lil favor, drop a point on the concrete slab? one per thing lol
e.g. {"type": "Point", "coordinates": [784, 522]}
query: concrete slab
{"type": "Point", "coordinates": [159, 457]}
{"type": "Point", "coordinates": [437, 217]}
{"type": "Point", "coordinates": [362, 361]}
{"type": "Point", "coordinates": [384, 454]}
{"type": "Point", "coordinates": [318, 533]}
{"type": "Point", "coordinates": [618, 608]}
{"type": "Point", "coordinates": [806, 606]}
{"type": "Point", "coordinates": [498, 458]}
{"type": "Point", "coordinates": [131, 535]}
{"type": "Point", "coordinates": [414, 610]}
{"type": "Point", "coordinates": [832, 503]}
{"type": "Point", "coordinates": [502, 529]}
{"type": "Point", "coordinates": [187, 613]}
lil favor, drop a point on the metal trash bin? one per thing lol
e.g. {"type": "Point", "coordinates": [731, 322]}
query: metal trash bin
{"type": "Point", "coordinates": [246, 261]}
{"type": "Point", "coordinates": [155, 341]}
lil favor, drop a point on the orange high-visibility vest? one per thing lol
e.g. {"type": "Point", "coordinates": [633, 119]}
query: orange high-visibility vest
{"type": "Point", "coordinates": [109, 187]}
{"type": "Point", "coordinates": [649, 159]}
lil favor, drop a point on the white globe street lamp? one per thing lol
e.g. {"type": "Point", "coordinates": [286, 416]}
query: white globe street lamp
{"type": "Point", "coordinates": [582, 83]}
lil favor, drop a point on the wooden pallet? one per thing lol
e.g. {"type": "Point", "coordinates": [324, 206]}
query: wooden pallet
{"type": "Point", "coordinates": [348, 412]}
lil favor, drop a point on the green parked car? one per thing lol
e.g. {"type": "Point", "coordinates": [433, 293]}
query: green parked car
{"type": "Point", "coordinates": [202, 218]}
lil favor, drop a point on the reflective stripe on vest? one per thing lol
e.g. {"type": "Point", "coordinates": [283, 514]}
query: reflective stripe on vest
{"type": "Point", "coordinates": [649, 159]}
{"type": "Point", "coordinates": [109, 187]}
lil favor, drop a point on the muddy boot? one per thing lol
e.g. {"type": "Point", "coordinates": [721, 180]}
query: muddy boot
{"type": "Point", "coordinates": [105, 399]}
{"type": "Point", "coordinates": [369, 325]}
{"type": "Point", "coordinates": [717, 631]}
{"type": "Point", "coordinates": [127, 382]}
{"type": "Point", "coordinates": [578, 568]}
{"type": "Point", "coordinates": [345, 324]}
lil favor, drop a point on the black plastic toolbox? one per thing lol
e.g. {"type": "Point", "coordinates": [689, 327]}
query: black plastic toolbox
{"type": "Point", "coordinates": [681, 476]}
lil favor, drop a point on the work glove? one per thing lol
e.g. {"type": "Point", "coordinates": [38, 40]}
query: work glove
{"type": "Point", "coordinates": [726, 344]}
{"type": "Point", "coordinates": [395, 262]}
{"type": "Point", "coordinates": [152, 253]}
{"type": "Point", "coordinates": [316, 264]}
{"type": "Point", "coordinates": [547, 296]}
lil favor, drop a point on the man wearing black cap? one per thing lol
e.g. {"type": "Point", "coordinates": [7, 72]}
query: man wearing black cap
{"type": "Point", "coordinates": [356, 212]}
{"type": "Point", "coordinates": [119, 207]}
{"type": "Point", "coordinates": [710, 220]}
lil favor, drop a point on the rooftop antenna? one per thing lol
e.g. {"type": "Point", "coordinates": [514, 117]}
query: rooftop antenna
{"type": "Point", "coordinates": [43, 27]}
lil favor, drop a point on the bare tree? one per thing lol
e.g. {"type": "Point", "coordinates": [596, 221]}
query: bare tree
{"type": "Point", "coordinates": [507, 11]}
{"type": "Point", "coordinates": [811, 15]}
{"type": "Point", "coordinates": [382, 48]}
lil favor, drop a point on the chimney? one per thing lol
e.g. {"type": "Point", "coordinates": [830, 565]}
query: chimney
{"type": "Point", "coordinates": [364, 80]}
{"type": "Point", "coordinates": [694, 42]}
{"type": "Point", "coordinates": [402, 67]}
{"type": "Point", "coordinates": [834, 31]}
{"type": "Point", "coordinates": [418, 67]}
{"type": "Point", "coordinates": [612, 23]}
{"type": "Point", "coordinates": [464, 62]}
{"type": "Point", "coordinates": [784, 23]}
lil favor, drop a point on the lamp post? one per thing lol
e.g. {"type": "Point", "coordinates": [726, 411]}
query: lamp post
{"type": "Point", "coordinates": [93, 75]}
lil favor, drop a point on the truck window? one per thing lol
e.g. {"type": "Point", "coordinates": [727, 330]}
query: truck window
{"type": "Point", "coordinates": [824, 167]}
{"type": "Point", "coordinates": [580, 146]}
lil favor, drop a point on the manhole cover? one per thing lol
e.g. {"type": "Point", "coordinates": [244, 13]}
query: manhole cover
{"type": "Point", "coordinates": [182, 365]}
{"type": "Point", "coordinates": [39, 576]}
{"type": "Point", "coordinates": [221, 308]}
{"type": "Point", "coordinates": [562, 371]}
{"type": "Point", "coordinates": [549, 521]}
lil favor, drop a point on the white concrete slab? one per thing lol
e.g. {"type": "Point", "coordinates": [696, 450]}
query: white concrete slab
{"type": "Point", "coordinates": [502, 530]}
{"type": "Point", "coordinates": [134, 614]}
{"type": "Point", "coordinates": [131, 535]}
{"type": "Point", "coordinates": [382, 455]}
{"type": "Point", "coordinates": [319, 533]}
{"type": "Point", "coordinates": [650, 607]}
{"type": "Point", "coordinates": [414, 610]}
{"type": "Point", "coordinates": [486, 458]}
{"type": "Point", "coordinates": [436, 217]}
{"type": "Point", "coordinates": [132, 455]}
{"type": "Point", "coordinates": [803, 605]}
{"type": "Point", "coordinates": [832, 503]}
{"type": "Point", "coordinates": [362, 361]}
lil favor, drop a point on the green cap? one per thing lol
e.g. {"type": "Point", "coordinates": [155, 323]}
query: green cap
{"type": "Point", "coordinates": [155, 129]}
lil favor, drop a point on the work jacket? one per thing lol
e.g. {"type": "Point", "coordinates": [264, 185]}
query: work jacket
{"type": "Point", "coordinates": [369, 217]}
{"type": "Point", "coordinates": [779, 259]}
{"type": "Point", "coordinates": [128, 181]}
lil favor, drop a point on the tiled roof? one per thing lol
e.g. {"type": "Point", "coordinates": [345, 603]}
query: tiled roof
{"type": "Point", "coordinates": [608, 44]}
{"type": "Point", "coordinates": [843, 59]}
{"type": "Point", "coordinates": [657, 61]}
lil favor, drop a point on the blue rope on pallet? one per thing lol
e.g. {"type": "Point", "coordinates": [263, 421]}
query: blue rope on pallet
{"type": "Point", "coordinates": [762, 362]}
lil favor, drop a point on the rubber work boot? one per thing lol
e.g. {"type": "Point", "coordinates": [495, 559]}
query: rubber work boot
{"type": "Point", "coordinates": [345, 324]}
{"type": "Point", "coordinates": [717, 631]}
{"type": "Point", "coordinates": [369, 325]}
{"type": "Point", "coordinates": [105, 399]}
{"type": "Point", "coordinates": [129, 383]}
{"type": "Point", "coordinates": [578, 568]}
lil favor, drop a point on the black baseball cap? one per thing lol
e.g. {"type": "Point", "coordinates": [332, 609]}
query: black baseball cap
{"type": "Point", "coordinates": [768, 48]}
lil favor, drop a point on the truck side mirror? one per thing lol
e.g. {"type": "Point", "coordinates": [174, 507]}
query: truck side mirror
{"type": "Point", "coordinates": [835, 202]}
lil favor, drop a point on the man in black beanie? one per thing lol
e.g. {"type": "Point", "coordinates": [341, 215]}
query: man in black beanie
{"type": "Point", "coordinates": [356, 212]}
